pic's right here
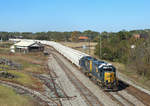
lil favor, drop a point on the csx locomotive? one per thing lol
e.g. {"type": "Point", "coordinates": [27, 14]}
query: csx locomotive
{"type": "Point", "coordinates": [104, 73]}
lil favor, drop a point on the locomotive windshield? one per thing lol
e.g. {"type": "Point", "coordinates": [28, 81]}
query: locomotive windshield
{"type": "Point", "coordinates": [108, 69]}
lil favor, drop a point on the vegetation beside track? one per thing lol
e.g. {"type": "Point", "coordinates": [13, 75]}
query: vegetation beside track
{"type": "Point", "coordinates": [121, 67]}
{"type": "Point", "coordinates": [30, 63]}
{"type": "Point", "coordinates": [8, 97]}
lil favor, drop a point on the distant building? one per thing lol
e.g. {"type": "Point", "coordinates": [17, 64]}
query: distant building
{"type": "Point", "coordinates": [138, 36]}
{"type": "Point", "coordinates": [28, 46]}
{"type": "Point", "coordinates": [83, 38]}
{"type": "Point", "coordinates": [12, 49]}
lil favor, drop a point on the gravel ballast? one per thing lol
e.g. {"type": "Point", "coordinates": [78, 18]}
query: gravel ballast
{"type": "Point", "coordinates": [103, 98]}
{"type": "Point", "coordinates": [67, 86]}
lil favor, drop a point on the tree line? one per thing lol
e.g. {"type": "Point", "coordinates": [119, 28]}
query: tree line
{"type": "Point", "coordinates": [50, 35]}
{"type": "Point", "coordinates": [131, 48]}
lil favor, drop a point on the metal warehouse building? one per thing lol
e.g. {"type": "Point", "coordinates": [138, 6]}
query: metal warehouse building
{"type": "Point", "coordinates": [28, 46]}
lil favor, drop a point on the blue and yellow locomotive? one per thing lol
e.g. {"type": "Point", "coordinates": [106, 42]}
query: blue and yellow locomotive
{"type": "Point", "coordinates": [104, 73]}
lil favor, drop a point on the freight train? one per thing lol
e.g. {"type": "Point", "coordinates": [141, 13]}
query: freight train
{"type": "Point", "coordinates": [104, 73]}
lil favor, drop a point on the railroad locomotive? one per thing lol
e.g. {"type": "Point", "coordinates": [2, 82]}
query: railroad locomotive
{"type": "Point", "coordinates": [104, 73]}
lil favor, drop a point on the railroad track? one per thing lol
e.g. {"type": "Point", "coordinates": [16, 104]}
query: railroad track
{"type": "Point", "coordinates": [140, 95]}
{"type": "Point", "coordinates": [65, 96]}
{"type": "Point", "coordinates": [57, 93]}
{"type": "Point", "coordinates": [127, 95]}
{"type": "Point", "coordinates": [123, 101]}
{"type": "Point", "coordinates": [115, 96]}
{"type": "Point", "coordinates": [54, 85]}
{"type": "Point", "coordinates": [37, 95]}
{"type": "Point", "coordinates": [53, 78]}
{"type": "Point", "coordinates": [90, 99]}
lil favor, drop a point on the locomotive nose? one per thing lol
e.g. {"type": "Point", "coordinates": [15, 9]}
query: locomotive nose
{"type": "Point", "coordinates": [109, 77]}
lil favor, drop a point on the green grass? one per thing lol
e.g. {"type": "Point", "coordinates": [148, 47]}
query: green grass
{"type": "Point", "coordinates": [8, 97]}
{"type": "Point", "coordinates": [4, 50]}
{"type": "Point", "coordinates": [6, 44]}
{"type": "Point", "coordinates": [24, 79]}
{"type": "Point", "coordinates": [31, 62]}
{"type": "Point", "coordinates": [5, 66]}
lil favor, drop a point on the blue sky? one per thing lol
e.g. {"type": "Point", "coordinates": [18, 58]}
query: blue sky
{"type": "Point", "coordinates": [70, 15]}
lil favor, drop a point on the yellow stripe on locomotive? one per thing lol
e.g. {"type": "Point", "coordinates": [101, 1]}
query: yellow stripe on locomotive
{"type": "Point", "coordinates": [91, 65]}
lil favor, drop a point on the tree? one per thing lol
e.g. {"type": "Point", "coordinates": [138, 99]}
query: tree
{"type": "Point", "coordinates": [139, 60]}
{"type": "Point", "coordinates": [75, 36]}
{"type": "Point", "coordinates": [91, 34]}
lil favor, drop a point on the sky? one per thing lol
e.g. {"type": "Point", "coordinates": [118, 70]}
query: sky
{"type": "Point", "coordinates": [71, 15]}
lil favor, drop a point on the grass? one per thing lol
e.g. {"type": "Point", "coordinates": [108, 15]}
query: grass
{"type": "Point", "coordinates": [24, 79]}
{"type": "Point", "coordinates": [4, 50]}
{"type": "Point", "coordinates": [5, 44]}
{"type": "Point", "coordinates": [5, 47]}
{"type": "Point", "coordinates": [5, 66]}
{"type": "Point", "coordinates": [31, 62]}
{"type": "Point", "coordinates": [8, 97]}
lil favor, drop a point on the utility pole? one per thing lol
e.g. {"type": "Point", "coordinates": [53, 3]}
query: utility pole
{"type": "Point", "coordinates": [100, 43]}
{"type": "Point", "coordinates": [89, 46]}
{"type": "Point", "coordinates": [1, 40]}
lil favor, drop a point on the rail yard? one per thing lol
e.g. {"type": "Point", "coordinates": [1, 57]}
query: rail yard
{"type": "Point", "coordinates": [74, 53]}
{"type": "Point", "coordinates": [63, 83]}
{"type": "Point", "coordinates": [122, 97]}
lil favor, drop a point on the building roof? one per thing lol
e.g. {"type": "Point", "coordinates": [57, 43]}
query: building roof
{"type": "Point", "coordinates": [83, 37]}
{"type": "Point", "coordinates": [12, 47]}
{"type": "Point", "coordinates": [25, 43]}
